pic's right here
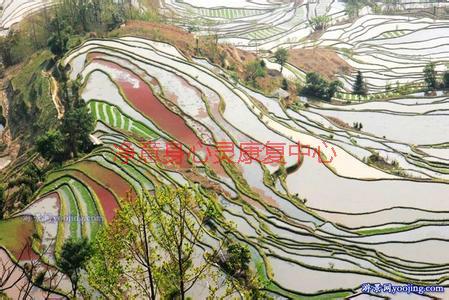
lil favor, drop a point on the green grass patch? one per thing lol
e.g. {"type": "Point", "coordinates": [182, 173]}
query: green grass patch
{"type": "Point", "coordinates": [71, 211]}
{"type": "Point", "coordinates": [112, 116]}
{"type": "Point", "coordinates": [36, 63]}
{"type": "Point", "coordinates": [388, 230]}
{"type": "Point", "coordinates": [15, 233]}
{"type": "Point", "coordinates": [83, 195]}
{"type": "Point", "coordinates": [32, 109]}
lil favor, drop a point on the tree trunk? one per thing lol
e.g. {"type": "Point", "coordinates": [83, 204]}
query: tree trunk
{"type": "Point", "coordinates": [147, 258]}
{"type": "Point", "coordinates": [75, 285]}
{"type": "Point", "coordinates": [180, 258]}
{"type": "Point", "coordinates": [181, 274]}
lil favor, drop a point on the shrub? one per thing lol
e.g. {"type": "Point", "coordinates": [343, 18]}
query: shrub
{"type": "Point", "coordinates": [235, 259]}
{"type": "Point", "coordinates": [255, 69]}
{"type": "Point", "coordinates": [284, 85]}
{"type": "Point", "coordinates": [320, 22]}
{"type": "Point", "coordinates": [430, 76]}
{"type": "Point", "coordinates": [281, 57]}
{"type": "Point", "coordinates": [446, 79]}
{"type": "Point", "coordinates": [317, 86]}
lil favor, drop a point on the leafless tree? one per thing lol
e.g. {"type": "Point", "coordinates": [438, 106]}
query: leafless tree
{"type": "Point", "coordinates": [34, 273]}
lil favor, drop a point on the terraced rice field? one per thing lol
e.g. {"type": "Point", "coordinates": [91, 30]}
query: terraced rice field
{"type": "Point", "coordinates": [389, 49]}
{"type": "Point", "coordinates": [13, 11]}
{"type": "Point", "coordinates": [255, 25]}
{"type": "Point", "coordinates": [315, 230]}
{"type": "Point", "coordinates": [341, 239]}
{"type": "Point", "coordinates": [266, 25]}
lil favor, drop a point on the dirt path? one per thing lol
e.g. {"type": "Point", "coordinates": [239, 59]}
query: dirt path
{"type": "Point", "coordinates": [5, 134]}
{"type": "Point", "coordinates": [54, 88]}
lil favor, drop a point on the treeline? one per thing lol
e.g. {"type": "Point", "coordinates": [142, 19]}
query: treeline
{"type": "Point", "coordinates": [57, 29]}
{"type": "Point", "coordinates": [31, 90]}
{"type": "Point", "coordinates": [155, 246]}
{"type": "Point", "coordinates": [64, 26]}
